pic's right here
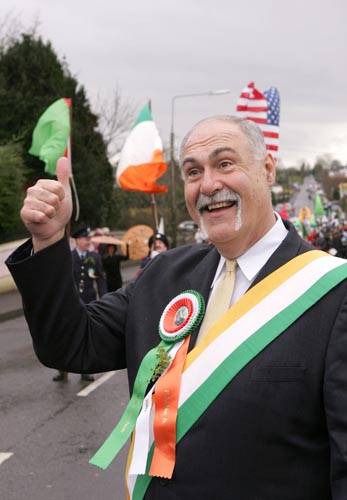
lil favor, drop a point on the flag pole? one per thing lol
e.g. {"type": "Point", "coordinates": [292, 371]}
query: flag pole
{"type": "Point", "coordinates": [154, 213]}
{"type": "Point", "coordinates": [69, 157]}
{"type": "Point", "coordinates": [68, 227]}
{"type": "Point", "coordinates": [153, 200]}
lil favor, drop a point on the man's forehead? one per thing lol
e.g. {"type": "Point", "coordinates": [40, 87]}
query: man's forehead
{"type": "Point", "coordinates": [211, 155]}
{"type": "Point", "coordinates": [213, 138]}
{"type": "Point", "coordinates": [213, 130]}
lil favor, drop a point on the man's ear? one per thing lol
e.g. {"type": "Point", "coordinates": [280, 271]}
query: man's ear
{"type": "Point", "coordinates": [270, 167]}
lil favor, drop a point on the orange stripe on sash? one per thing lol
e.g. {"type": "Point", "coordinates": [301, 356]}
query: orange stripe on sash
{"type": "Point", "coordinates": [166, 407]}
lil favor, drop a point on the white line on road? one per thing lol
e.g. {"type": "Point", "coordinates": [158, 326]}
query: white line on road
{"type": "Point", "coordinates": [94, 385]}
{"type": "Point", "coordinates": [4, 456]}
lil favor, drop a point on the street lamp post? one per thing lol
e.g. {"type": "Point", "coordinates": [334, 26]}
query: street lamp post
{"type": "Point", "coordinates": [172, 149]}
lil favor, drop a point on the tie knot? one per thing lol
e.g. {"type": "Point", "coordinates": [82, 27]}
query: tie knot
{"type": "Point", "coordinates": [230, 265]}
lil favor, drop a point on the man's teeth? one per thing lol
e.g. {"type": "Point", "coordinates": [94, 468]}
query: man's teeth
{"type": "Point", "coordinates": [221, 204]}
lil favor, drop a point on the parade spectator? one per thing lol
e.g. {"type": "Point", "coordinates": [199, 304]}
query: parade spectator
{"type": "Point", "coordinates": [330, 236]}
{"type": "Point", "coordinates": [262, 406]}
{"type": "Point", "coordinates": [157, 244]}
{"type": "Point", "coordinates": [87, 267]}
{"type": "Point", "coordinates": [111, 263]}
{"type": "Point", "coordinates": [89, 278]}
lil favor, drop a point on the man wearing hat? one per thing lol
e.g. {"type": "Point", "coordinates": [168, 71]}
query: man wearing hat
{"type": "Point", "coordinates": [87, 267]}
{"type": "Point", "coordinates": [89, 277]}
{"type": "Point", "coordinates": [157, 243]}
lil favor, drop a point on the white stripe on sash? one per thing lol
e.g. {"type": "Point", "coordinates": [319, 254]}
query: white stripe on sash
{"type": "Point", "coordinates": [280, 298]}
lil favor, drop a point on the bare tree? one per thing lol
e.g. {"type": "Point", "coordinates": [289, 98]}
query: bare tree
{"type": "Point", "coordinates": [11, 27]}
{"type": "Point", "coordinates": [116, 118]}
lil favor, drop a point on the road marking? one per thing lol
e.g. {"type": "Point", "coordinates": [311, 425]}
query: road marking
{"type": "Point", "coordinates": [94, 385]}
{"type": "Point", "coordinates": [4, 456]}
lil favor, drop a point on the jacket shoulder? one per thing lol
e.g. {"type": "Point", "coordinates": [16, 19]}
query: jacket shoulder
{"type": "Point", "coordinates": [187, 253]}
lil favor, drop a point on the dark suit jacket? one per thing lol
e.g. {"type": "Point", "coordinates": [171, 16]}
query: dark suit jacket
{"type": "Point", "coordinates": [278, 431]}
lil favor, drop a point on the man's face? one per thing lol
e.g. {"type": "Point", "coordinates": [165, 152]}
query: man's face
{"type": "Point", "coordinates": [83, 243]}
{"type": "Point", "coordinates": [227, 192]}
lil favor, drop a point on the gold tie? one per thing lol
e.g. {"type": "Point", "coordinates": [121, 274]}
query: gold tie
{"type": "Point", "coordinates": [220, 300]}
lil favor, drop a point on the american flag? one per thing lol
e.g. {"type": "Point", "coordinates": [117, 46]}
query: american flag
{"type": "Point", "coordinates": [264, 109]}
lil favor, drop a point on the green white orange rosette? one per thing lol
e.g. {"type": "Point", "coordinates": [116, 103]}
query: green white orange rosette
{"type": "Point", "coordinates": [179, 318]}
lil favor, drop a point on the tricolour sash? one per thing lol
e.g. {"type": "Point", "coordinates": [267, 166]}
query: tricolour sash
{"type": "Point", "coordinates": [258, 318]}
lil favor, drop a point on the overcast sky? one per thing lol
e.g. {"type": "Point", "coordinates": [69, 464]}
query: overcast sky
{"type": "Point", "coordinates": [161, 48]}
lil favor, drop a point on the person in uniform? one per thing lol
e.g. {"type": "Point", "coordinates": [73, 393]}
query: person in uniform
{"type": "Point", "coordinates": [89, 277]}
{"type": "Point", "coordinates": [87, 267]}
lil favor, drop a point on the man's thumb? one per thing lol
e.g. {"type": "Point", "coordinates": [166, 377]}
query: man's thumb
{"type": "Point", "coordinates": [63, 171]}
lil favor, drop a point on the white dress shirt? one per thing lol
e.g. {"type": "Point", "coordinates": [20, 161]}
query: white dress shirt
{"type": "Point", "coordinates": [250, 263]}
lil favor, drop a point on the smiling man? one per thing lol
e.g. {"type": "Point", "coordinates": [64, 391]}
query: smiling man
{"type": "Point", "coordinates": [251, 399]}
{"type": "Point", "coordinates": [227, 176]}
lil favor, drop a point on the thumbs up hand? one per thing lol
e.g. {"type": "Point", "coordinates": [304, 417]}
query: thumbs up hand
{"type": "Point", "coordinates": [47, 207]}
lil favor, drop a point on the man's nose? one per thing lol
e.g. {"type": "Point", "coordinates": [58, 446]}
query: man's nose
{"type": "Point", "coordinates": [210, 182]}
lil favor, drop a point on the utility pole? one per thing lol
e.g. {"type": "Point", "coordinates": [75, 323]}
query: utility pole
{"type": "Point", "coordinates": [172, 153]}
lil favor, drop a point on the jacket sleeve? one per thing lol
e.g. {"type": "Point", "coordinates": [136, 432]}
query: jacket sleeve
{"type": "Point", "coordinates": [67, 334]}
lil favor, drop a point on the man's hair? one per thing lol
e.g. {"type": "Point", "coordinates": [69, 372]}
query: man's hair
{"type": "Point", "coordinates": [249, 128]}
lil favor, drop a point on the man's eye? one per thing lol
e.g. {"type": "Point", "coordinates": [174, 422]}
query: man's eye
{"type": "Point", "coordinates": [225, 164]}
{"type": "Point", "coordinates": [193, 172]}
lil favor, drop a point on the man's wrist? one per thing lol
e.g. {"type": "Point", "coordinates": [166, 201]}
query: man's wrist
{"type": "Point", "coordinates": [40, 244]}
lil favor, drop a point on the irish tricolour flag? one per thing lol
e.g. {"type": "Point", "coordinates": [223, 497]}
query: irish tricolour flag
{"type": "Point", "coordinates": [141, 161]}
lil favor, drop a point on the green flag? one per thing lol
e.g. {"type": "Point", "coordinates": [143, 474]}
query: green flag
{"type": "Point", "coordinates": [51, 134]}
{"type": "Point", "coordinates": [318, 206]}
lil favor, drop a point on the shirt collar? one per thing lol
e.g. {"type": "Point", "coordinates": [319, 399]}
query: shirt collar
{"type": "Point", "coordinates": [255, 257]}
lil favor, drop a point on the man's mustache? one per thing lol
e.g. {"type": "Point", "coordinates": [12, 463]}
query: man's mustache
{"type": "Point", "coordinates": [224, 195]}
